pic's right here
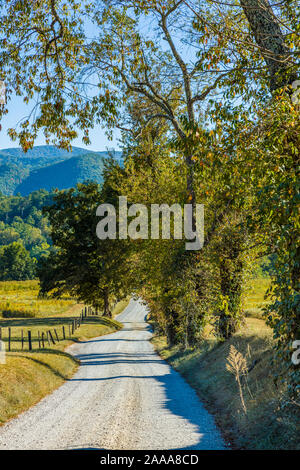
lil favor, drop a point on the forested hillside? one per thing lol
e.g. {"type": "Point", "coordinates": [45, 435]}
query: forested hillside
{"type": "Point", "coordinates": [37, 169]}
{"type": "Point", "coordinates": [65, 174]}
{"type": "Point", "coordinates": [24, 234]}
{"type": "Point", "coordinates": [32, 177]}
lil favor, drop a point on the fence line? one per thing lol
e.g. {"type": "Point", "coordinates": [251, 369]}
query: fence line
{"type": "Point", "coordinates": [42, 336]}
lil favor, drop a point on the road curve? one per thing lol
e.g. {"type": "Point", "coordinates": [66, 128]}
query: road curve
{"type": "Point", "coordinates": [123, 396]}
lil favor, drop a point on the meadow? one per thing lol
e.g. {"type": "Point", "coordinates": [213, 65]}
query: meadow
{"type": "Point", "coordinates": [20, 299]}
{"type": "Point", "coordinates": [254, 297]}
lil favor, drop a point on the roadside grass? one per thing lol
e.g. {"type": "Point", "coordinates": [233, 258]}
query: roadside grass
{"type": "Point", "coordinates": [120, 306]}
{"type": "Point", "coordinates": [28, 376]}
{"type": "Point", "coordinates": [266, 425]}
{"type": "Point", "coordinates": [254, 297]}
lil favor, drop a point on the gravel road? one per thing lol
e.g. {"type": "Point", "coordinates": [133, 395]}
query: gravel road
{"type": "Point", "coordinates": [123, 396]}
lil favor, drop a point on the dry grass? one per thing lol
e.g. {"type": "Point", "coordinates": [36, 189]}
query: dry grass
{"type": "Point", "coordinates": [26, 378]}
{"type": "Point", "coordinates": [265, 426]}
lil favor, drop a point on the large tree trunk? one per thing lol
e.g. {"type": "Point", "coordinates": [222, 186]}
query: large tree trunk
{"type": "Point", "coordinates": [191, 189]}
{"type": "Point", "coordinates": [269, 38]}
{"type": "Point", "coordinates": [172, 327]}
{"type": "Point", "coordinates": [107, 312]}
{"type": "Point", "coordinates": [231, 289]}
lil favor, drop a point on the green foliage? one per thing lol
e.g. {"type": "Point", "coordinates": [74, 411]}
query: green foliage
{"type": "Point", "coordinates": [16, 263]}
{"type": "Point", "coordinates": [21, 220]}
{"type": "Point", "coordinates": [277, 215]}
{"type": "Point", "coordinates": [92, 270]}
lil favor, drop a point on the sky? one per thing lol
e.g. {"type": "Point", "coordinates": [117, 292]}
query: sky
{"type": "Point", "coordinates": [18, 110]}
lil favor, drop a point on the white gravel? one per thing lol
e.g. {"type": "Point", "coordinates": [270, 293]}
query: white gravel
{"type": "Point", "coordinates": [123, 396]}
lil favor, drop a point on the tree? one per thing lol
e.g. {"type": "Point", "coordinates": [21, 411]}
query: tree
{"type": "Point", "coordinates": [16, 263]}
{"type": "Point", "coordinates": [41, 42]}
{"type": "Point", "coordinates": [93, 270]}
{"type": "Point", "coordinates": [222, 93]}
{"type": "Point", "coordinates": [279, 209]}
{"type": "Point", "coordinates": [266, 28]}
{"type": "Point", "coordinates": [117, 68]}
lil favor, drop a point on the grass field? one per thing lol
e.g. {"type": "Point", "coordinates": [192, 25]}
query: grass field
{"type": "Point", "coordinates": [264, 425]}
{"type": "Point", "coordinates": [254, 297]}
{"type": "Point", "coordinates": [27, 376]}
{"type": "Point", "coordinates": [20, 299]}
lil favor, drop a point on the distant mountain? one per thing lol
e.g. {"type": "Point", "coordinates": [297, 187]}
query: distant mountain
{"type": "Point", "coordinates": [42, 151]}
{"type": "Point", "coordinates": [64, 174]}
{"type": "Point", "coordinates": [47, 167]}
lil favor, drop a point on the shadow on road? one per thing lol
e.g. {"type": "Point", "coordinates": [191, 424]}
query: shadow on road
{"type": "Point", "coordinates": [178, 397]}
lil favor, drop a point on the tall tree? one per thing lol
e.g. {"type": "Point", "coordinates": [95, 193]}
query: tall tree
{"type": "Point", "coordinates": [16, 263]}
{"type": "Point", "coordinates": [93, 270]}
{"type": "Point", "coordinates": [266, 28]}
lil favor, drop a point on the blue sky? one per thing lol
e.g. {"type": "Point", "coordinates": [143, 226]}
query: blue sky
{"type": "Point", "coordinates": [18, 110]}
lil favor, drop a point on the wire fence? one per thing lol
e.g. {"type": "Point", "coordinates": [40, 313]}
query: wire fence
{"type": "Point", "coordinates": [43, 338]}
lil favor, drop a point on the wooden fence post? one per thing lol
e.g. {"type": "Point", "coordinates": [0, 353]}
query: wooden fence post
{"type": "Point", "coordinates": [39, 340]}
{"type": "Point", "coordinates": [9, 337]}
{"type": "Point", "coordinates": [51, 337]}
{"type": "Point", "coordinates": [29, 341]}
{"type": "Point", "coordinates": [56, 334]}
{"type": "Point", "coordinates": [70, 334]}
{"type": "Point", "coordinates": [22, 339]}
{"type": "Point", "coordinates": [64, 333]}
{"type": "Point", "coordinates": [43, 339]}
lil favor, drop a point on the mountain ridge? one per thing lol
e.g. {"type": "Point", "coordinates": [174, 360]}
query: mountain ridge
{"type": "Point", "coordinates": [48, 167]}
